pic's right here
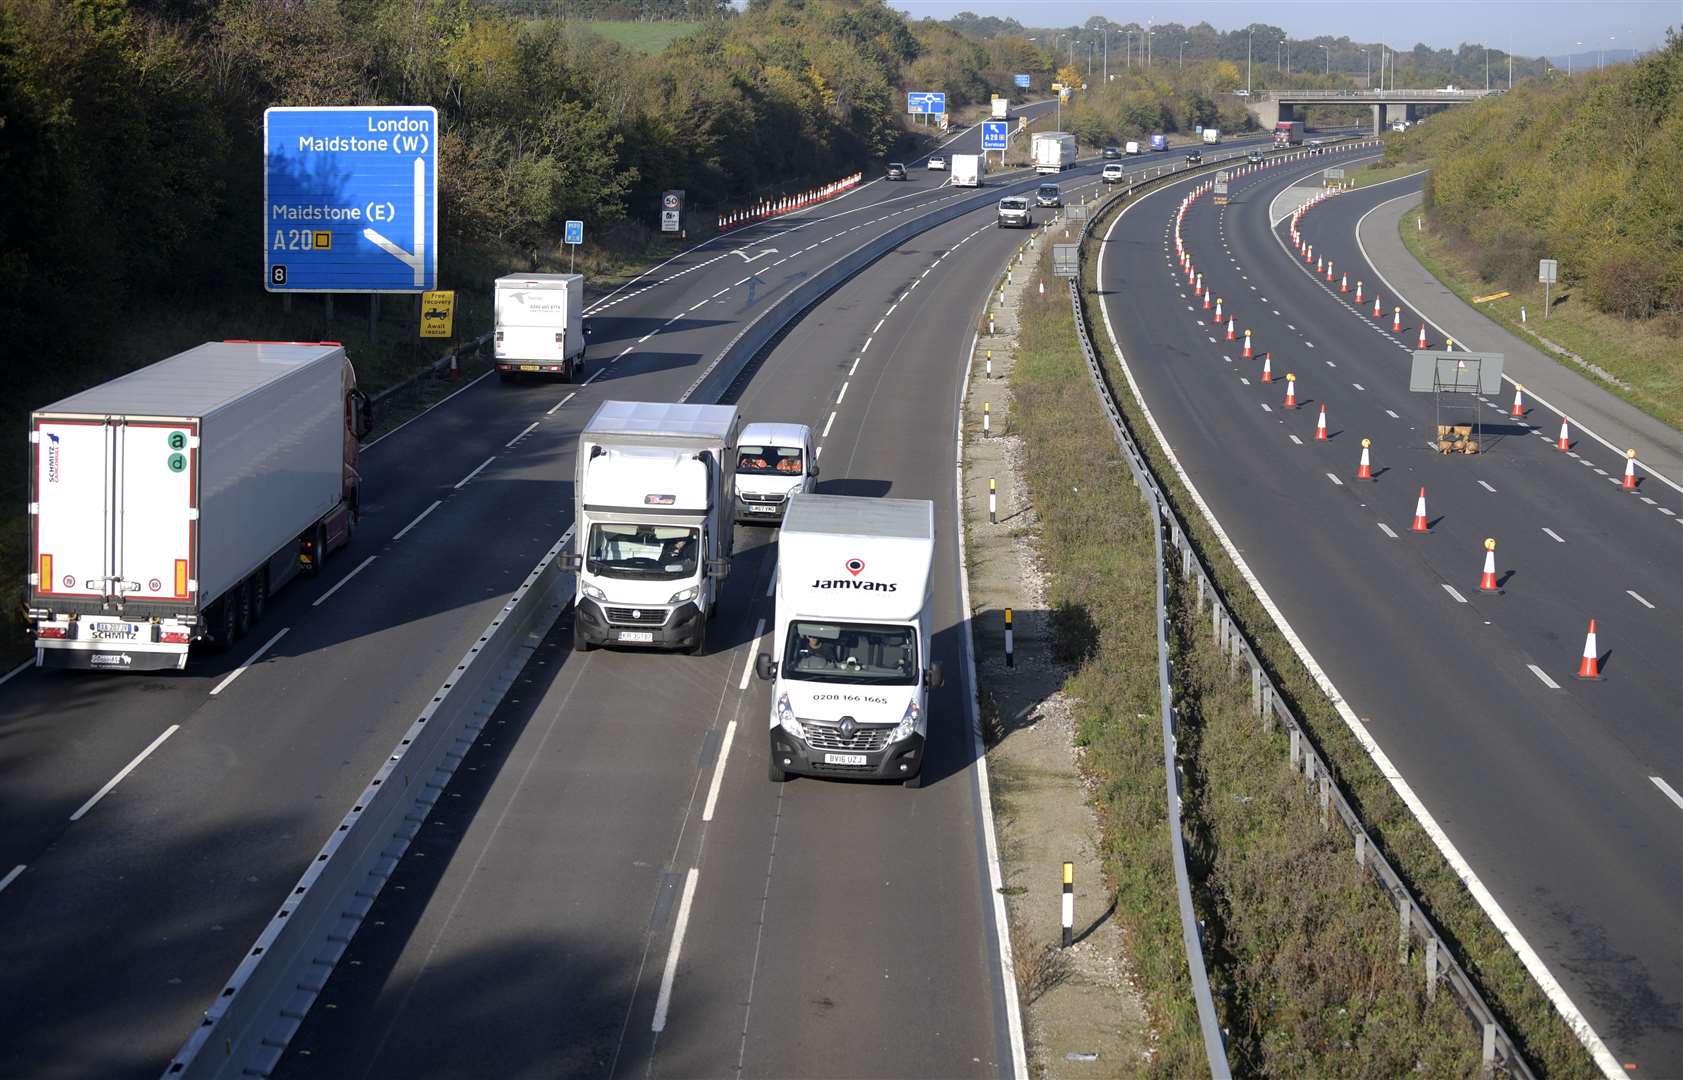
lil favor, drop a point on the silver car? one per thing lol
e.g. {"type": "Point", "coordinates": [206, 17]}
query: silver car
{"type": "Point", "coordinates": [1014, 213]}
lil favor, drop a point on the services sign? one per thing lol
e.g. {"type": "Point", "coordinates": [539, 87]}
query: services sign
{"type": "Point", "coordinates": [350, 199]}
{"type": "Point", "coordinates": [996, 134]}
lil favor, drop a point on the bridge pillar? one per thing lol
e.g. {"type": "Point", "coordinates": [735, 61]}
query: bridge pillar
{"type": "Point", "coordinates": [1268, 111]}
{"type": "Point", "coordinates": [1379, 118]}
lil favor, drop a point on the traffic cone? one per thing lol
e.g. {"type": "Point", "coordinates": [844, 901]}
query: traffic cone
{"type": "Point", "coordinates": [1422, 333]}
{"type": "Point", "coordinates": [1565, 440]}
{"type": "Point", "coordinates": [1329, 269]}
{"type": "Point", "coordinates": [1247, 352]}
{"type": "Point", "coordinates": [1377, 312]}
{"type": "Point", "coordinates": [1448, 344]}
{"type": "Point", "coordinates": [1420, 525]}
{"type": "Point", "coordinates": [1321, 425]}
{"type": "Point", "coordinates": [1589, 668]}
{"type": "Point", "coordinates": [1630, 471]}
{"type": "Point", "coordinates": [1291, 391]}
{"type": "Point", "coordinates": [1396, 321]}
{"type": "Point", "coordinates": [1198, 286]}
{"type": "Point", "coordinates": [1308, 252]}
{"type": "Point", "coordinates": [1218, 309]}
{"type": "Point", "coordinates": [455, 371]}
{"type": "Point", "coordinates": [1267, 367]}
{"type": "Point", "coordinates": [1519, 401]}
{"type": "Point", "coordinates": [1487, 580]}
{"type": "Point", "coordinates": [1230, 328]}
{"type": "Point", "coordinates": [1358, 292]}
{"type": "Point", "coordinates": [1206, 299]}
{"type": "Point", "coordinates": [1344, 284]}
{"type": "Point", "coordinates": [1320, 264]}
{"type": "Point", "coordinates": [1364, 471]}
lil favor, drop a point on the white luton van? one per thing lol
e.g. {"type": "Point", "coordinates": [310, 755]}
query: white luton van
{"type": "Point", "coordinates": [1054, 151]}
{"type": "Point", "coordinates": [850, 667]}
{"type": "Point", "coordinates": [653, 503]}
{"type": "Point", "coordinates": [968, 170]}
{"type": "Point", "coordinates": [539, 326]}
{"type": "Point", "coordinates": [773, 463]}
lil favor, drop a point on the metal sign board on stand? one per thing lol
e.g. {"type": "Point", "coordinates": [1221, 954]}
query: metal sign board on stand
{"type": "Point", "coordinates": [1440, 372]}
{"type": "Point", "coordinates": [1066, 260]}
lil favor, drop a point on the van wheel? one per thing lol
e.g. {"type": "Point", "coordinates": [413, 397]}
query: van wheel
{"type": "Point", "coordinates": [583, 644]}
{"type": "Point", "coordinates": [915, 780]}
{"type": "Point", "coordinates": [775, 773]}
{"type": "Point", "coordinates": [699, 648]}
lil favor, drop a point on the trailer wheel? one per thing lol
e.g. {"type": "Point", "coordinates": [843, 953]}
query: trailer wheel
{"type": "Point", "coordinates": [240, 599]}
{"type": "Point", "coordinates": [226, 625]}
{"type": "Point", "coordinates": [259, 586]}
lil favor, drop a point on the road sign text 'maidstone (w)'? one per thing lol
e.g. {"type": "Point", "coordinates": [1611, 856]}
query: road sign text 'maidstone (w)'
{"type": "Point", "coordinates": [350, 199]}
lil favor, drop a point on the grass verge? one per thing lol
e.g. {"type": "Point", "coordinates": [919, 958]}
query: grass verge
{"type": "Point", "coordinates": [1641, 356]}
{"type": "Point", "coordinates": [1547, 1041]}
{"type": "Point", "coordinates": [1378, 174]}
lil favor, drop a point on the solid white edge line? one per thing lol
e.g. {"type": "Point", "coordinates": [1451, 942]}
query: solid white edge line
{"type": "Point", "coordinates": [533, 426]}
{"type": "Point", "coordinates": [12, 876]}
{"type": "Point", "coordinates": [1493, 910]}
{"type": "Point", "coordinates": [463, 481]}
{"type": "Point", "coordinates": [15, 672]}
{"type": "Point", "coordinates": [441, 401]}
{"type": "Point", "coordinates": [664, 1001]}
{"type": "Point", "coordinates": [115, 780]}
{"type": "Point", "coordinates": [748, 664]}
{"type": "Point", "coordinates": [1659, 782]}
{"type": "Point", "coordinates": [1544, 676]}
{"type": "Point", "coordinates": [996, 881]}
{"type": "Point", "coordinates": [436, 503]}
{"type": "Point", "coordinates": [1649, 470]}
{"type": "Point", "coordinates": [724, 756]}
{"type": "Point", "coordinates": [1638, 597]}
{"type": "Point", "coordinates": [342, 582]}
{"type": "Point", "coordinates": [250, 660]}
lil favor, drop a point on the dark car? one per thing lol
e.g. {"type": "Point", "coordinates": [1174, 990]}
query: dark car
{"type": "Point", "coordinates": [1112, 153]}
{"type": "Point", "coordinates": [896, 171]}
{"type": "Point", "coordinates": [1195, 158]}
{"type": "Point", "coordinates": [1048, 195]}
{"type": "Point", "coordinates": [1254, 157]}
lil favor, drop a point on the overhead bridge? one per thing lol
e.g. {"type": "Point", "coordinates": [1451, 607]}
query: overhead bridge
{"type": "Point", "coordinates": [1270, 107]}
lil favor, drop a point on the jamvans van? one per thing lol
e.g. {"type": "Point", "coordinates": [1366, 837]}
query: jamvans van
{"type": "Point", "coordinates": [773, 463]}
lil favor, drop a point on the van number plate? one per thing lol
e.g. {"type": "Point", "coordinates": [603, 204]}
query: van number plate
{"type": "Point", "coordinates": [844, 759]}
{"type": "Point", "coordinates": [645, 636]}
{"type": "Point", "coordinates": [530, 367]}
{"type": "Point", "coordinates": [762, 509]}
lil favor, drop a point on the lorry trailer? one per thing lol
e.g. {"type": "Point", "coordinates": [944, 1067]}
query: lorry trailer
{"type": "Point", "coordinates": [1288, 133]}
{"type": "Point", "coordinates": [167, 505]}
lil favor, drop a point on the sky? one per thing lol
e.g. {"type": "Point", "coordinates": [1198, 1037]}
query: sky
{"type": "Point", "coordinates": [1534, 27]}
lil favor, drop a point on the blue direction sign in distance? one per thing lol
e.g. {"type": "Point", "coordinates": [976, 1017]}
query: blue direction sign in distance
{"type": "Point", "coordinates": [574, 233]}
{"type": "Point", "coordinates": [926, 102]}
{"type": "Point", "coordinates": [350, 199]}
{"type": "Point", "coordinates": [996, 134]}
{"type": "Point", "coordinates": [1021, 80]}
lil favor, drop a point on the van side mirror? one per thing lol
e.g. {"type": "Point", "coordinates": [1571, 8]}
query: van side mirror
{"type": "Point", "coordinates": [572, 563]}
{"type": "Point", "coordinates": [718, 568]}
{"type": "Point", "coordinates": [812, 471]}
{"type": "Point", "coordinates": [362, 414]}
{"type": "Point", "coordinates": [763, 667]}
{"type": "Point", "coordinates": [935, 677]}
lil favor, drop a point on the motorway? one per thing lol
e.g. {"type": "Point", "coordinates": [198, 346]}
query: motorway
{"type": "Point", "coordinates": [1559, 795]}
{"type": "Point", "coordinates": [154, 822]}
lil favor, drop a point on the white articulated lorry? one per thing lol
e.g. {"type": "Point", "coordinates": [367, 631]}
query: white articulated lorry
{"type": "Point", "coordinates": [1054, 151]}
{"type": "Point", "coordinates": [539, 326]}
{"type": "Point", "coordinates": [850, 670]}
{"type": "Point", "coordinates": [168, 504]}
{"type": "Point", "coordinates": [654, 503]}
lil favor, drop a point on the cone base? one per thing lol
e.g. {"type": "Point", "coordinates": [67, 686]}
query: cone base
{"type": "Point", "coordinates": [1588, 678]}
{"type": "Point", "coordinates": [1420, 527]}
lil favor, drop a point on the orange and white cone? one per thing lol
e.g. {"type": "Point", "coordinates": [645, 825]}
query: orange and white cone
{"type": "Point", "coordinates": [1321, 425]}
{"type": "Point", "coordinates": [1487, 580]}
{"type": "Point", "coordinates": [1320, 264]}
{"type": "Point", "coordinates": [1206, 299]}
{"type": "Point", "coordinates": [1589, 668]}
{"type": "Point", "coordinates": [1364, 471]}
{"type": "Point", "coordinates": [1247, 353]}
{"type": "Point", "coordinates": [1267, 367]}
{"type": "Point", "coordinates": [1422, 333]}
{"type": "Point", "coordinates": [1565, 440]}
{"type": "Point", "coordinates": [1291, 391]}
{"type": "Point", "coordinates": [1420, 525]}
{"type": "Point", "coordinates": [1519, 401]}
{"type": "Point", "coordinates": [1630, 471]}
{"type": "Point", "coordinates": [1396, 321]}
{"type": "Point", "coordinates": [1329, 269]}
{"type": "Point", "coordinates": [1230, 328]}
{"type": "Point", "coordinates": [1218, 310]}
{"type": "Point", "coordinates": [1378, 312]}
{"type": "Point", "coordinates": [1358, 292]}
{"type": "Point", "coordinates": [1308, 252]}
{"type": "Point", "coordinates": [455, 371]}
{"type": "Point", "coordinates": [1344, 284]}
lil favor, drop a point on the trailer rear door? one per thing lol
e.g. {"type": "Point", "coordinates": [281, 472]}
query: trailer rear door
{"type": "Point", "coordinates": [158, 514]}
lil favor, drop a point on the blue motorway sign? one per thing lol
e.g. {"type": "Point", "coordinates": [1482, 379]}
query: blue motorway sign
{"type": "Point", "coordinates": [574, 233]}
{"type": "Point", "coordinates": [1021, 80]}
{"type": "Point", "coordinates": [996, 134]}
{"type": "Point", "coordinates": [350, 199]}
{"type": "Point", "coordinates": [926, 102]}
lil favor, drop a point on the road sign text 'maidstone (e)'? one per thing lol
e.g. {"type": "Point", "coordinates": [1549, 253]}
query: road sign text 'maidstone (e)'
{"type": "Point", "coordinates": [350, 199]}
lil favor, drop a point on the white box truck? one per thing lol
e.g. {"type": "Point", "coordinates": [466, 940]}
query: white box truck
{"type": "Point", "coordinates": [1054, 151]}
{"type": "Point", "coordinates": [1212, 136]}
{"type": "Point", "coordinates": [539, 326]}
{"type": "Point", "coordinates": [1001, 108]}
{"type": "Point", "coordinates": [167, 505]}
{"type": "Point", "coordinates": [850, 667]}
{"type": "Point", "coordinates": [653, 507]}
{"type": "Point", "coordinates": [774, 462]}
{"type": "Point", "coordinates": [968, 170]}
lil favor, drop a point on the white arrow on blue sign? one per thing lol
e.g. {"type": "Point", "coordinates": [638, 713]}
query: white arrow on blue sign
{"type": "Point", "coordinates": [350, 199]}
{"type": "Point", "coordinates": [1021, 80]}
{"type": "Point", "coordinates": [926, 102]}
{"type": "Point", "coordinates": [996, 134]}
{"type": "Point", "coordinates": [574, 233]}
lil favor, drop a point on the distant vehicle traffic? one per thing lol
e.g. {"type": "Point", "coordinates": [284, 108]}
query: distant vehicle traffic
{"type": "Point", "coordinates": [1288, 133]}
{"type": "Point", "coordinates": [937, 161]}
{"type": "Point", "coordinates": [850, 664]}
{"type": "Point", "coordinates": [1315, 145]}
{"type": "Point", "coordinates": [1014, 213]}
{"type": "Point", "coordinates": [1048, 195]}
{"type": "Point", "coordinates": [169, 504]}
{"type": "Point", "coordinates": [896, 171]}
{"type": "Point", "coordinates": [1131, 148]}
{"type": "Point", "coordinates": [1054, 151]}
{"type": "Point", "coordinates": [1255, 157]}
{"type": "Point", "coordinates": [1159, 142]}
{"type": "Point", "coordinates": [1001, 109]}
{"type": "Point", "coordinates": [538, 325]}
{"type": "Point", "coordinates": [1113, 173]}
{"type": "Point", "coordinates": [773, 463]}
{"type": "Point", "coordinates": [1211, 136]}
{"type": "Point", "coordinates": [1111, 153]}
{"type": "Point", "coordinates": [1195, 157]}
{"type": "Point", "coordinates": [968, 170]}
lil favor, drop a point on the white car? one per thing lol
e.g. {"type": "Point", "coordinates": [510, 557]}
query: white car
{"type": "Point", "coordinates": [1113, 173]}
{"type": "Point", "coordinates": [936, 161]}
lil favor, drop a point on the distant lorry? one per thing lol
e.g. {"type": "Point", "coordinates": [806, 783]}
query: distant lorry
{"type": "Point", "coordinates": [167, 505]}
{"type": "Point", "coordinates": [1288, 133]}
{"type": "Point", "coordinates": [1001, 108]}
{"type": "Point", "coordinates": [850, 667]}
{"type": "Point", "coordinates": [1054, 151]}
{"type": "Point", "coordinates": [774, 463]}
{"type": "Point", "coordinates": [1159, 142]}
{"type": "Point", "coordinates": [539, 326]}
{"type": "Point", "coordinates": [653, 504]}
{"type": "Point", "coordinates": [1211, 136]}
{"type": "Point", "coordinates": [1132, 147]}
{"type": "Point", "coordinates": [968, 170]}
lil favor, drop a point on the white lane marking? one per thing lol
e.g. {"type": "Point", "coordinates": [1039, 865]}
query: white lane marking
{"type": "Point", "coordinates": [1265, 406]}
{"type": "Point", "coordinates": [1644, 498]}
{"type": "Point", "coordinates": [1670, 793]}
{"type": "Point", "coordinates": [819, 452]}
{"type": "Point", "coordinates": [599, 373]}
{"type": "Point", "coordinates": [1487, 487]}
{"type": "Point", "coordinates": [826, 432]}
{"type": "Point", "coordinates": [558, 404]}
{"type": "Point", "coordinates": [436, 503]}
{"type": "Point", "coordinates": [445, 400]}
{"type": "Point", "coordinates": [1386, 529]}
{"type": "Point", "coordinates": [843, 393]}
{"type": "Point", "coordinates": [1334, 478]}
{"type": "Point", "coordinates": [855, 367]}
{"type": "Point", "coordinates": [529, 429]}
{"type": "Point", "coordinates": [747, 670]}
{"type": "Point", "coordinates": [867, 344]}
{"type": "Point", "coordinates": [1450, 589]}
{"type": "Point", "coordinates": [878, 326]}
{"type": "Point", "coordinates": [1295, 440]}
{"type": "Point", "coordinates": [1556, 537]}
{"type": "Point", "coordinates": [13, 875]}
{"type": "Point", "coordinates": [342, 582]}
{"type": "Point", "coordinates": [463, 481]}
{"type": "Point", "coordinates": [252, 659]}
{"type": "Point", "coordinates": [703, 304]}
{"type": "Point", "coordinates": [664, 1001]}
{"type": "Point", "coordinates": [1357, 385]}
{"type": "Point", "coordinates": [625, 350]}
{"type": "Point", "coordinates": [1392, 415]}
{"type": "Point", "coordinates": [1634, 595]}
{"type": "Point", "coordinates": [115, 780]}
{"type": "Point", "coordinates": [720, 293]}
{"type": "Point", "coordinates": [744, 281]}
{"type": "Point", "coordinates": [1309, 343]}
{"type": "Point", "coordinates": [1543, 675]}
{"type": "Point", "coordinates": [724, 752]}
{"type": "Point", "coordinates": [647, 336]}
{"type": "Point", "coordinates": [10, 675]}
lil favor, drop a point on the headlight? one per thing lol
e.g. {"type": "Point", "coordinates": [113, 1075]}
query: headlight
{"type": "Point", "coordinates": [594, 593]}
{"type": "Point", "coordinates": [907, 727]}
{"type": "Point", "coordinates": [682, 595]}
{"type": "Point", "coordinates": [786, 718]}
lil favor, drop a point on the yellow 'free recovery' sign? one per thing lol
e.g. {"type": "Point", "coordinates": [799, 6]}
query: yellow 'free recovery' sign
{"type": "Point", "coordinates": [438, 311]}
